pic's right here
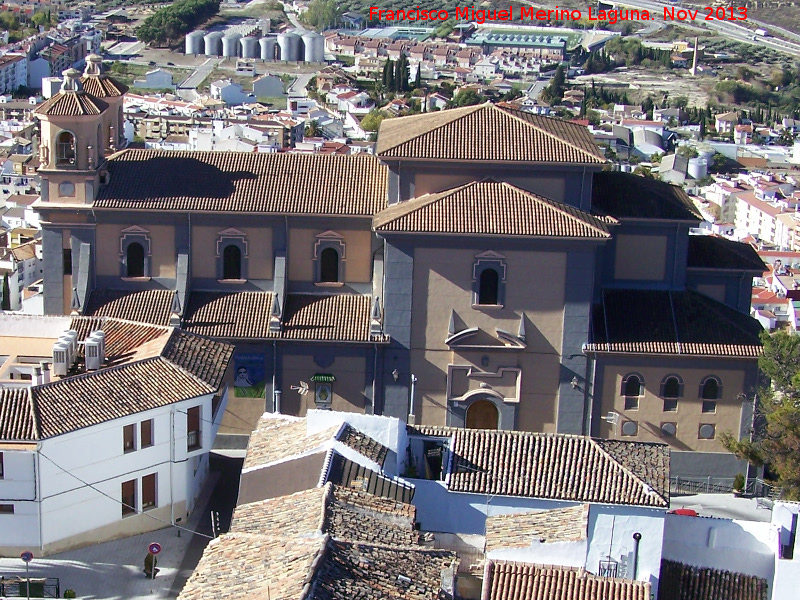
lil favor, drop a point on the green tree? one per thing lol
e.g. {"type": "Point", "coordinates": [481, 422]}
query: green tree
{"type": "Point", "coordinates": [466, 97]}
{"type": "Point", "coordinates": [688, 151]}
{"type": "Point", "coordinates": [776, 441]}
{"type": "Point", "coordinates": [418, 78]}
{"type": "Point", "coordinates": [40, 18]}
{"type": "Point", "coordinates": [554, 92]}
{"type": "Point", "coordinates": [372, 121]}
{"type": "Point", "coordinates": [322, 14]}
{"type": "Point", "coordinates": [313, 129]}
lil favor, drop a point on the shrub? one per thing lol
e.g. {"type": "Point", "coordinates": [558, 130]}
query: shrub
{"type": "Point", "coordinates": [70, 593]}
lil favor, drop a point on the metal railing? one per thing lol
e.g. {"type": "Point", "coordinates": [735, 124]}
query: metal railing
{"type": "Point", "coordinates": [757, 488]}
{"type": "Point", "coordinates": [19, 587]}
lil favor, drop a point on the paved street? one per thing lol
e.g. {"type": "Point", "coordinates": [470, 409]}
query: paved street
{"type": "Point", "coordinates": [114, 570]}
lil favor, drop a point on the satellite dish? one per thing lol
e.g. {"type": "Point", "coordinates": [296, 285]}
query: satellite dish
{"type": "Point", "coordinates": [301, 389]}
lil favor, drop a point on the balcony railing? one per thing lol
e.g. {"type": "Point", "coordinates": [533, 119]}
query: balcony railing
{"type": "Point", "coordinates": [19, 587]}
{"type": "Point", "coordinates": [193, 440]}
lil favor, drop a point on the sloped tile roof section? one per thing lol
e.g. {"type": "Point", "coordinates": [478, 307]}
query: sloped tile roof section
{"type": "Point", "coordinates": [300, 514]}
{"type": "Point", "coordinates": [123, 338]}
{"type": "Point", "coordinates": [346, 473]}
{"type": "Point", "coordinates": [103, 86]}
{"type": "Point", "coordinates": [278, 438]}
{"type": "Point", "coordinates": [684, 582]}
{"type": "Point", "coordinates": [373, 572]}
{"type": "Point", "coordinates": [185, 366]}
{"type": "Point", "coordinates": [558, 467]}
{"type": "Point", "coordinates": [229, 315]}
{"type": "Point", "coordinates": [712, 252]}
{"type": "Point", "coordinates": [359, 516]}
{"type": "Point", "coordinates": [487, 132]}
{"type": "Point", "coordinates": [519, 581]}
{"type": "Point", "coordinates": [71, 104]}
{"type": "Point", "coordinates": [490, 208]}
{"type": "Point", "coordinates": [626, 322]}
{"type": "Point", "coordinates": [328, 318]}
{"type": "Point", "coordinates": [523, 530]}
{"type": "Point", "coordinates": [648, 461]}
{"type": "Point", "coordinates": [246, 565]}
{"type": "Point", "coordinates": [309, 184]}
{"type": "Point", "coordinates": [628, 196]}
{"type": "Point", "coordinates": [16, 415]}
{"type": "Point", "coordinates": [146, 306]}
{"type": "Point", "coordinates": [363, 444]}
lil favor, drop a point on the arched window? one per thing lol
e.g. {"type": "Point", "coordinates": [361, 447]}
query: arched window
{"type": "Point", "coordinates": [65, 148]}
{"type": "Point", "coordinates": [488, 287]}
{"type": "Point", "coordinates": [329, 266]}
{"type": "Point", "coordinates": [134, 260]}
{"type": "Point", "coordinates": [671, 391]}
{"type": "Point", "coordinates": [631, 390]}
{"type": "Point", "coordinates": [482, 415]}
{"type": "Point", "coordinates": [231, 262]}
{"type": "Point", "coordinates": [710, 392]}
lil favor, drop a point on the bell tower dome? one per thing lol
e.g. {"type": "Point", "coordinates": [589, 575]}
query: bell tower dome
{"type": "Point", "coordinates": [73, 142]}
{"type": "Point", "coordinates": [99, 85]}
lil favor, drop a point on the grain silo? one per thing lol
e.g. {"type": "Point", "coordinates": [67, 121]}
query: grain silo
{"type": "Point", "coordinates": [250, 47]}
{"type": "Point", "coordinates": [213, 43]}
{"type": "Point", "coordinates": [230, 45]}
{"type": "Point", "coordinates": [289, 44]}
{"type": "Point", "coordinates": [267, 47]}
{"type": "Point", "coordinates": [698, 168]}
{"type": "Point", "coordinates": [194, 42]}
{"type": "Point", "coordinates": [314, 47]}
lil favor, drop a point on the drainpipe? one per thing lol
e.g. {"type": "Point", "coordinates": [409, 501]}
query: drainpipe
{"type": "Point", "coordinates": [37, 466]}
{"type": "Point", "coordinates": [276, 408]}
{"type": "Point", "coordinates": [411, 419]}
{"type": "Point", "coordinates": [636, 539]}
{"type": "Point", "coordinates": [172, 462]}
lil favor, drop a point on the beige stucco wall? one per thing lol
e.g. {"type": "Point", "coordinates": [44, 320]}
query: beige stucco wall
{"type": "Point", "coordinates": [689, 415]}
{"type": "Point", "coordinates": [357, 261]}
{"type": "Point", "coordinates": [348, 389]}
{"type": "Point", "coordinates": [641, 257]}
{"type": "Point", "coordinates": [162, 249]}
{"type": "Point", "coordinates": [534, 285]}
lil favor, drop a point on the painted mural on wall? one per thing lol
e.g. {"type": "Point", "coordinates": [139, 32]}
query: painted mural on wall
{"type": "Point", "coordinates": [249, 379]}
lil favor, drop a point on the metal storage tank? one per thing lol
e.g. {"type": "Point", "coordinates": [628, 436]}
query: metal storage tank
{"type": "Point", "coordinates": [250, 47]}
{"type": "Point", "coordinates": [314, 47]}
{"type": "Point", "coordinates": [194, 42]}
{"type": "Point", "coordinates": [698, 168]}
{"type": "Point", "coordinates": [213, 43]}
{"type": "Point", "coordinates": [289, 44]}
{"type": "Point", "coordinates": [706, 151]}
{"type": "Point", "coordinates": [267, 48]}
{"type": "Point", "coordinates": [230, 45]}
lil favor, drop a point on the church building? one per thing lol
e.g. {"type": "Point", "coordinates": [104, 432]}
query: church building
{"type": "Point", "coordinates": [484, 269]}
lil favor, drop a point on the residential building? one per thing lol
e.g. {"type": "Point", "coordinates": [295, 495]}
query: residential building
{"type": "Point", "coordinates": [23, 265]}
{"type": "Point", "coordinates": [13, 72]}
{"type": "Point", "coordinates": [726, 122]}
{"type": "Point", "coordinates": [111, 441]}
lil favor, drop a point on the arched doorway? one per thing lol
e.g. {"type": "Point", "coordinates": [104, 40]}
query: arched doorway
{"type": "Point", "coordinates": [482, 415]}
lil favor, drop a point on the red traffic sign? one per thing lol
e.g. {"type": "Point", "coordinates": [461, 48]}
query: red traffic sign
{"type": "Point", "coordinates": [27, 556]}
{"type": "Point", "coordinates": [154, 548]}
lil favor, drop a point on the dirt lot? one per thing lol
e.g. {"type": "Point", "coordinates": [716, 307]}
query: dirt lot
{"type": "Point", "coordinates": [638, 83]}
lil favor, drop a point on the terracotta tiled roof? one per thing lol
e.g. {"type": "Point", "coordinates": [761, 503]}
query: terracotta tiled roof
{"type": "Point", "coordinates": [629, 321]}
{"type": "Point", "coordinates": [712, 252]}
{"type": "Point", "coordinates": [329, 184]}
{"type": "Point", "coordinates": [186, 366]}
{"type": "Point", "coordinates": [624, 195]}
{"type": "Point", "coordinates": [246, 565]}
{"type": "Point", "coordinates": [16, 415]}
{"type": "Point", "coordinates": [229, 314]}
{"type": "Point", "coordinates": [123, 338]}
{"type": "Point", "coordinates": [301, 514]}
{"type": "Point", "coordinates": [560, 467]}
{"type": "Point", "coordinates": [373, 572]}
{"type": "Point", "coordinates": [517, 581]}
{"type": "Point", "coordinates": [73, 104]}
{"type": "Point", "coordinates": [487, 133]}
{"type": "Point", "coordinates": [146, 306]}
{"type": "Point", "coordinates": [521, 530]}
{"type": "Point", "coordinates": [683, 582]}
{"type": "Point", "coordinates": [25, 251]}
{"type": "Point", "coordinates": [363, 444]}
{"type": "Point", "coordinates": [278, 438]}
{"type": "Point", "coordinates": [490, 208]}
{"type": "Point", "coordinates": [103, 86]}
{"type": "Point", "coordinates": [340, 317]}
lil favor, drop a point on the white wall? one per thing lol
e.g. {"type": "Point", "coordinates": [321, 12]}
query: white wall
{"type": "Point", "coordinates": [565, 554]}
{"type": "Point", "coordinates": [611, 529]}
{"type": "Point", "coordinates": [19, 480]}
{"type": "Point", "coordinates": [737, 546]}
{"type": "Point", "coordinates": [787, 572]}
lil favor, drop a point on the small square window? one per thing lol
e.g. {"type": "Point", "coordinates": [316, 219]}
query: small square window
{"type": "Point", "coordinates": [146, 433]}
{"type": "Point", "coordinates": [6, 509]}
{"type": "Point", "coordinates": [631, 402]}
{"type": "Point", "coordinates": [129, 438]}
{"type": "Point", "coordinates": [670, 405]}
{"type": "Point", "coordinates": [709, 406]}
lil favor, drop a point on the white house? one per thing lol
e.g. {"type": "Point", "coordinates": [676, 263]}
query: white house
{"type": "Point", "coordinates": [229, 92]}
{"type": "Point", "coordinates": [24, 266]}
{"type": "Point", "coordinates": [102, 453]}
{"type": "Point", "coordinates": [157, 79]}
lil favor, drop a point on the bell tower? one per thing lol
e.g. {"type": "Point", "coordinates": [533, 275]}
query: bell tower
{"type": "Point", "coordinates": [73, 143]}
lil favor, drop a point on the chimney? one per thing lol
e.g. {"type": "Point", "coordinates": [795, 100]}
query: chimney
{"type": "Point", "coordinates": [37, 375]}
{"type": "Point", "coordinates": [45, 371]}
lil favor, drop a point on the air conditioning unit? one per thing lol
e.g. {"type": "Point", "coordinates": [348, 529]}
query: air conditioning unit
{"type": "Point", "coordinates": [92, 352]}
{"type": "Point", "coordinates": [60, 359]}
{"type": "Point", "coordinates": [100, 336]}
